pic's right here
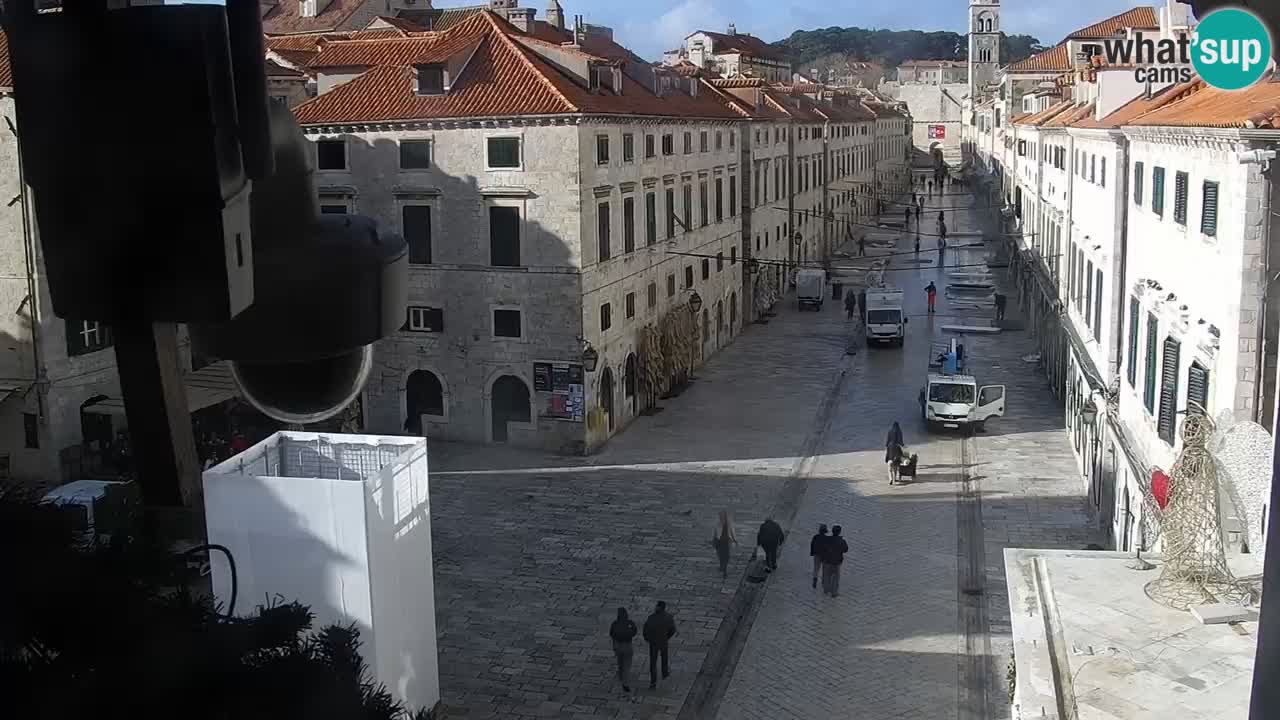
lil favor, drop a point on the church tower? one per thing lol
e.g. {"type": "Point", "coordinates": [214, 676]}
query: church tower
{"type": "Point", "coordinates": [984, 43]}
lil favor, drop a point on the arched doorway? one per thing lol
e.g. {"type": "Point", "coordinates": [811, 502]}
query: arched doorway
{"type": "Point", "coordinates": [606, 396]}
{"type": "Point", "coordinates": [509, 403]}
{"type": "Point", "coordinates": [706, 331]}
{"type": "Point", "coordinates": [423, 395]}
{"type": "Point", "coordinates": [733, 312]}
{"type": "Point", "coordinates": [630, 378]}
{"type": "Point", "coordinates": [719, 320]}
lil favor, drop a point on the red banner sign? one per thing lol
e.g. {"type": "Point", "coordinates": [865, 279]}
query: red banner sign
{"type": "Point", "coordinates": [937, 132]}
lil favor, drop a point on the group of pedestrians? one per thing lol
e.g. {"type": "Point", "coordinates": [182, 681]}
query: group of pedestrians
{"type": "Point", "coordinates": [658, 630]}
{"type": "Point", "coordinates": [828, 553]}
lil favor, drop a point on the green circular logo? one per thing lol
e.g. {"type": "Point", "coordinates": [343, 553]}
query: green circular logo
{"type": "Point", "coordinates": [1231, 48]}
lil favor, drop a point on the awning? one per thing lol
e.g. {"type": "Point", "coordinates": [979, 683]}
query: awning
{"type": "Point", "coordinates": [207, 386]}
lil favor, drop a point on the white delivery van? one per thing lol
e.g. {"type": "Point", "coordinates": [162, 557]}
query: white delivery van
{"type": "Point", "coordinates": [94, 508]}
{"type": "Point", "coordinates": [956, 401]}
{"type": "Point", "coordinates": [811, 288]}
{"type": "Point", "coordinates": [884, 318]}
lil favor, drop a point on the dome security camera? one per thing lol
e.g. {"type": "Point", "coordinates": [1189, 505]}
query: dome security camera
{"type": "Point", "coordinates": [326, 287]}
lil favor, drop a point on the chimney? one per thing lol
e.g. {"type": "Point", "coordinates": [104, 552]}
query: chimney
{"type": "Point", "coordinates": [522, 18]}
{"type": "Point", "coordinates": [733, 29]}
{"type": "Point", "coordinates": [312, 8]}
{"type": "Point", "coordinates": [579, 31]}
{"type": "Point", "coordinates": [555, 14]}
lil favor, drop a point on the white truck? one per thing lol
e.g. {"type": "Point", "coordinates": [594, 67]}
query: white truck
{"type": "Point", "coordinates": [811, 288]}
{"type": "Point", "coordinates": [883, 315]}
{"type": "Point", "coordinates": [956, 401]}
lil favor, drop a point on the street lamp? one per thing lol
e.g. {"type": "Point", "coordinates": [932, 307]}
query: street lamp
{"type": "Point", "coordinates": [590, 358]}
{"type": "Point", "coordinates": [695, 302]}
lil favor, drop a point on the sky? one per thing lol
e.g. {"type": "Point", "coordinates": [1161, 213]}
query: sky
{"type": "Point", "coordinates": [650, 26]}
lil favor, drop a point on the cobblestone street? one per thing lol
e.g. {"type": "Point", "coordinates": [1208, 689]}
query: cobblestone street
{"type": "Point", "coordinates": [534, 554]}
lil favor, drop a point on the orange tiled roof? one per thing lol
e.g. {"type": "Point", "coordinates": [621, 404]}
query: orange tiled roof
{"type": "Point", "coordinates": [309, 42]}
{"type": "Point", "coordinates": [1257, 106]}
{"type": "Point", "coordinates": [1048, 113]}
{"type": "Point", "coordinates": [502, 79]}
{"type": "Point", "coordinates": [1055, 59]}
{"type": "Point", "coordinates": [441, 19]}
{"type": "Point", "coordinates": [1017, 119]}
{"type": "Point", "coordinates": [285, 17]}
{"type": "Point", "coordinates": [6, 72]}
{"type": "Point", "coordinates": [741, 43]}
{"type": "Point", "coordinates": [1065, 119]}
{"type": "Point", "coordinates": [404, 25]}
{"type": "Point", "coordinates": [275, 69]}
{"type": "Point", "coordinates": [1139, 18]}
{"type": "Point", "coordinates": [737, 82]}
{"type": "Point", "coordinates": [1139, 106]}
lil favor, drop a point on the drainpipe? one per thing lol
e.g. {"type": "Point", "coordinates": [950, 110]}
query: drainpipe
{"type": "Point", "coordinates": [1264, 292]}
{"type": "Point", "coordinates": [29, 253]}
{"type": "Point", "coordinates": [1120, 286]}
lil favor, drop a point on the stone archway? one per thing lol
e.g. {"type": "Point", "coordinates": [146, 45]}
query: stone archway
{"type": "Point", "coordinates": [630, 380]}
{"type": "Point", "coordinates": [509, 402]}
{"type": "Point", "coordinates": [606, 397]}
{"type": "Point", "coordinates": [423, 395]}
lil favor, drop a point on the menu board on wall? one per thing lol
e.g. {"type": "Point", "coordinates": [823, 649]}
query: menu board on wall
{"type": "Point", "coordinates": [560, 391]}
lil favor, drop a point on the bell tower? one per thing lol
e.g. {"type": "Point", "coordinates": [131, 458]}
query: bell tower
{"type": "Point", "coordinates": [984, 44]}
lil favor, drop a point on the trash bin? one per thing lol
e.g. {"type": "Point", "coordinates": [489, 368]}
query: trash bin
{"type": "Point", "coordinates": [836, 291]}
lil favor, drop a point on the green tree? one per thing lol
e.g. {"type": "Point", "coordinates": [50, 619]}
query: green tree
{"type": "Point", "coordinates": [891, 47]}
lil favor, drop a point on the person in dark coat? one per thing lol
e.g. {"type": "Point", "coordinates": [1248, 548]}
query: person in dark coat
{"type": "Point", "coordinates": [862, 246]}
{"type": "Point", "coordinates": [770, 537]}
{"type": "Point", "coordinates": [816, 550]}
{"type": "Point", "coordinates": [1000, 303]}
{"type": "Point", "coordinates": [622, 632]}
{"type": "Point", "coordinates": [833, 557]}
{"type": "Point", "coordinates": [850, 303]}
{"type": "Point", "coordinates": [658, 631]}
{"type": "Point", "coordinates": [931, 294]}
{"type": "Point", "coordinates": [893, 452]}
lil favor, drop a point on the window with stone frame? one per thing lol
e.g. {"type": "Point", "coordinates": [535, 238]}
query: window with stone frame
{"type": "Point", "coordinates": [630, 304]}
{"type": "Point", "coordinates": [423, 319]}
{"type": "Point", "coordinates": [602, 149]}
{"type": "Point", "coordinates": [502, 153]}
{"type": "Point", "coordinates": [671, 284]}
{"type": "Point", "coordinates": [688, 143]}
{"type": "Point", "coordinates": [506, 323]}
{"type": "Point", "coordinates": [628, 147]}
{"type": "Point", "coordinates": [331, 154]}
{"type": "Point", "coordinates": [669, 196]}
{"type": "Point", "coordinates": [628, 224]}
{"type": "Point", "coordinates": [606, 317]}
{"type": "Point", "coordinates": [603, 250]}
{"type": "Point", "coordinates": [668, 144]}
{"type": "Point", "coordinates": [650, 218]}
{"type": "Point", "coordinates": [703, 216]}
{"type": "Point", "coordinates": [719, 199]}
{"type": "Point", "coordinates": [703, 141]}
{"type": "Point", "coordinates": [415, 225]}
{"type": "Point", "coordinates": [653, 295]}
{"type": "Point", "coordinates": [650, 146]}
{"type": "Point", "coordinates": [86, 336]}
{"type": "Point", "coordinates": [504, 236]}
{"type": "Point", "coordinates": [415, 154]}
{"type": "Point", "coordinates": [706, 268]}
{"type": "Point", "coordinates": [1209, 209]}
{"type": "Point", "coordinates": [688, 276]}
{"type": "Point", "coordinates": [1180, 190]}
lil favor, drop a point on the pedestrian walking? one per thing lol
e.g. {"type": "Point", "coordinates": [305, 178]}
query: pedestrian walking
{"type": "Point", "coordinates": [862, 246]}
{"type": "Point", "coordinates": [659, 628]}
{"type": "Point", "coordinates": [917, 243]}
{"type": "Point", "coordinates": [893, 452]}
{"type": "Point", "coordinates": [931, 292]}
{"type": "Point", "coordinates": [906, 216]}
{"type": "Point", "coordinates": [1000, 303]}
{"type": "Point", "coordinates": [850, 303]}
{"type": "Point", "coordinates": [832, 558]}
{"type": "Point", "coordinates": [722, 540]}
{"type": "Point", "coordinates": [769, 537]}
{"type": "Point", "coordinates": [816, 550]}
{"type": "Point", "coordinates": [621, 633]}
{"type": "Point", "coordinates": [917, 216]}
{"type": "Point", "coordinates": [930, 187]}
{"type": "Point", "coordinates": [942, 216]}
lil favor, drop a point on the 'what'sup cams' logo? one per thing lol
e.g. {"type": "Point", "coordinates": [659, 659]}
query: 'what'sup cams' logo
{"type": "Point", "coordinates": [1230, 49]}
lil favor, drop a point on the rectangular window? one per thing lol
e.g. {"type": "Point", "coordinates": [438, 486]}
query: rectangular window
{"type": "Point", "coordinates": [719, 199]}
{"type": "Point", "coordinates": [653, 294]}
{"type": "Point", "coordinates": [1209, 209]}
{"type": "Point", "coordinates": [1149, 380]}
{"type": "Point", "coordinates": [606, 317]}
{"type": "Point", "coordinates": [333, 209]}
{"type": "Point", "coordinates": [331, 154]}
{"type": "Point", "coordinates": [702, 204]}
{"type": "Point", "coordinates": [430, 79]}
{"type": "Point", "coordinates": [504, 236]}
{"type": "Point", "coordinates": [628, 147]}
{"type": "Point", "coordinates": [688, 276]}
{"type": "Point", "coordinates": [628, 224]}
{"type": "Point", "coordinates": [1197, 389]}
{"type": "Point", "coordinates": [1180, 198]}
{"type": "Point", "coordinates": [631, 304]}
{"type": "Point", "coordinates": [668, 144]}
{"type": "Point", "coordinates": [1137, 184]}
{"type": "Point", "coordinates": [688, 143]}
{"type": "Point", "coordinates": [503, 153]}
{"type": "Point", "coordinates": [1102, 176]}
{"type": "Point", "coordinates": [1167, 421]}
{"type": "Point", "coordinates": [733, 255]}
{"type": "Point", "coordinates": [1093, 168]}
{"type": "Point", "coordinates": [706, 268]}
{"type": "Point", "coordinates": [602, 232]}
{"type": "Point", "coordinates": [1088, 293]}
{"type": "Point", "coordinates": [415, 221]}
{"type": "Point", "coordinates": [1097, 306]}
{"type": "Point", "coordinates": [1133, 342]}
{"type": "Point", "coordinates": [719, 140]}
{"type": "Point", "coordinates": [719, 261]}
{"type": "Point", "coordinates": [670, 196]}
{"type": "Point", "coordinates": [733, 139]}
{"type": "Point", "coordinates": [86, 336]}
{"type": "Point", "coordinates": [415, 154]}
{"type": "Point", "coordinates": [649, 149]}
{"type": "Point", "coordinates": [506, 323]}
{"type": "Point", "coordinates": [671, 284]}
{"type": "Point", "coordinates": [687, 220]}
{"type": "Point", "coordinates": [30, 431]}
{"type": "Point", "coordinates": [424, 319]}
{"type": "Point", "coordinates": [650, 218]}
{"type": "Point", "coordinates": [602, 149]}
{"type": "Point", "coordinates": [702, 142]}
{"type": "Point", "coordinates": [1157, 191]}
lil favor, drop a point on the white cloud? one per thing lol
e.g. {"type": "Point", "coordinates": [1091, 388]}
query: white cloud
{"type": "Point", "coordinates": [688, 16]}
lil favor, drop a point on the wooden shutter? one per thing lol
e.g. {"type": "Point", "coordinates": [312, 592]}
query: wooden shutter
{"type": "Point", "coordinates": [1209, 212]}
{"type": "Point", "coordinates": [1180, 198]}
{"type": "Point", "coordinates": [1157, 191]}
{"type": "Point", "coordinates": [1167, 420]}
{"type": "Point", "coordinates": [602, 231]}
{"type": "Point", "coordinates": [1137, 183]}
{"type": "Point", "coordinates": [1149, 380]}
{"type": "Point", "coordinates": [1133, 342]}
{"type": "Point", "coordinates": [1197, 389]}
{"type": "Point", "coordinates": [1097, 306]}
